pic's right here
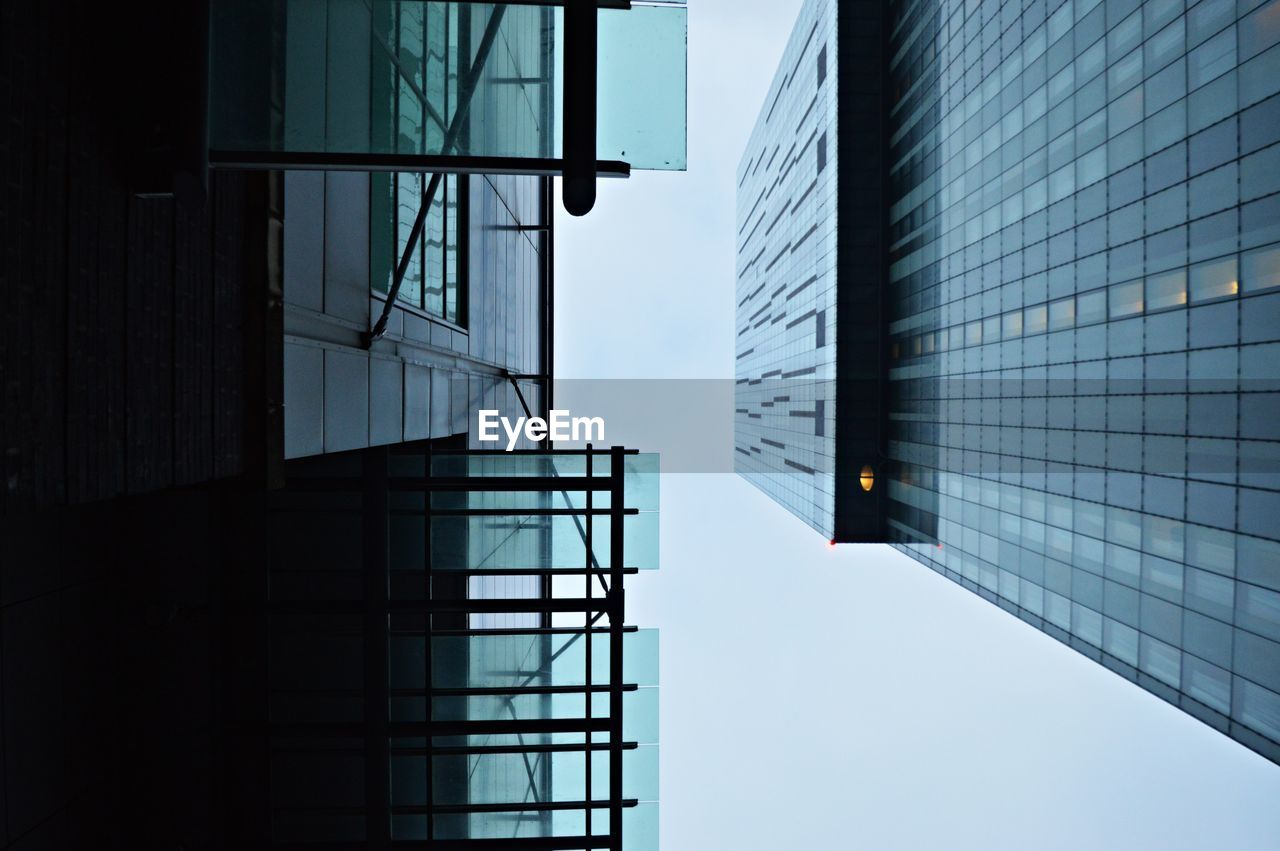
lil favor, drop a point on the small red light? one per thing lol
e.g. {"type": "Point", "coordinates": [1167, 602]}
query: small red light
{"type": "Point", "coordinates": [831, 545]}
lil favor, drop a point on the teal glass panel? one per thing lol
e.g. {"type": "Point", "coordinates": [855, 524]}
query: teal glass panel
{"type": "Point", "coordinates": [639, 658]}
{"type": "Point", "coordinates": [643, 87]}
{"type": "Point", "coordinates": [640, 773]}
{"type": "Point", "coordinates": [640, 540]}
{"type": "Point", "coordinates": [641, 481]}
{"type": "Point", "coordinates": [510, 465]}
{"type": "Point", "coordinates": [640, 827]}
{"type": "Point", "coordinates": [520, 824]}
{"type": "Point", "coordinates": [346, 77]}
{"type": "Point", "coordinates": [574, 823]}
{"type": "Point", "coordinates": [351, 69]}
{"type": "Point", "coordinates": [501, 661]}
{"type": "Point", "coordinates": [640, 716]}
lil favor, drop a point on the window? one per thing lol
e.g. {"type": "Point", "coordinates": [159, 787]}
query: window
{"type": "Point", "coordinates": [822, 66]}
{"type": "Point", "coordinates": [1013, 325]}
{"type": "Point", "coordinates": [1212, 59]}
{"type": "Point", "coordinates": [1091, 307]}
{"type": "Point", "coordinates": [1036, 319]}
{"type": "Point", "coordinates": [1215, 279]}
{"type": "Point", "coordinates": [1167, 290]}
{"type": "Point", "coordinates": [1261, 268]}
{"type": "Point", "coordinates": [433, 277]}
{"type": "Point", "coordinates": [1062, 314]}
{"type": "Point", "coordinates": [424, 63]}
{"type": "Point", "coordinates": [822, 152]}
{"type": "Point", "coordinates": [1126, 299]}
{"type": "Point", "coordinates": [1260, 30]}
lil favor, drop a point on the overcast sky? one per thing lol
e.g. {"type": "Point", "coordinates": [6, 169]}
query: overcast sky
{"type": "Point", "coordinates": [849, 698]}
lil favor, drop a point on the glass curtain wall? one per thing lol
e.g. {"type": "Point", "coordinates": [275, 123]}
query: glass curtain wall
{"type": "Point", "coordinates": [1085, 291]}
{"type": "Point", "coordinates": [512, 702]}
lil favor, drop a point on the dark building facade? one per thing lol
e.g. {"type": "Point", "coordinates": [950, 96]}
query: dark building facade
{"type": "Point", "coordinates": [811, 258]}
{"type": "Point", "coordinates": [1082, 314]}
{"type": "Point", "coordinates": [256, 590]}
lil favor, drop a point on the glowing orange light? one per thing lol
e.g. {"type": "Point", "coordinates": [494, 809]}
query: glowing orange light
{"type": "Point", "coordinates": [867, 478]}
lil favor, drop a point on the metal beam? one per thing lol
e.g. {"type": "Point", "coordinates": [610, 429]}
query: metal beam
{"type": "Point", "coordinates": [416, 163]}
{"type": "Point", "coordinates": [377, 556]}
{"type": "Point", "coordinates": [578, 132]}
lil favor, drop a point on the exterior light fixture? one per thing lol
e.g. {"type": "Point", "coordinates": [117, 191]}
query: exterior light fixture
{"type": "Point", "coordinates": [867, 478]}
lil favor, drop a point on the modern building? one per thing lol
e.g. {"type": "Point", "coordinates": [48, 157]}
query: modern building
{"type": "Point", "coordinates": [449, 661]}
{"type": "Point", "coordinates": [1082, 311]}
{"type": "Point", "coordinates": [810, 360]}
{"type": "Point", "coordinates": [262, 264]}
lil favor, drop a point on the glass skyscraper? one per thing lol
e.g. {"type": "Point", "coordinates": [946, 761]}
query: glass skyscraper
{"type": "Point", "coordinates": [787, 278]}
{"type": "Point", "coordinates": [1082, 325]}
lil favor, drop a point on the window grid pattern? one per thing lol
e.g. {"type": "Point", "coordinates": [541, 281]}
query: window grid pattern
{"type": "Point", "coordinates": [1085, 324]}
{"type": "Point", "coordinates": [786, 281]}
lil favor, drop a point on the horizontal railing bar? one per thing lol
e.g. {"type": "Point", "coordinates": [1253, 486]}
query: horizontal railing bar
{"type": "Point", "coordinates": [511, 512]}
{"type": "Point", "coordinates": [510, 606]}
{"type": "Point", "coordinates": [481, 750]}
{"type": "Point", "coordinates": [528, 843]}
{"type": "Point", "coordinates": [518, 484]}
{"type": "Point", "coordinates": [410, 449]}
{"type": "Point", "coordinates": [514, 807]}
{"type": "Point", "coordinates": [424, 163]}
{"type": "Point", "coordinates": [489, 691]}
{"type": "Point", "coordinates": [554, 630]}
{"type": "Point", "coordinates": [327, 729]}
{"type": "Point", "coordinates": [466, 571]}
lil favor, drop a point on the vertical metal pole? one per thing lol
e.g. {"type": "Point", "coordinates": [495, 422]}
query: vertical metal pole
{"type": "Point", "coordinates": [580, 109]}
{"type": "Point", "coordinates": [377, 723]}
{"type": "Point", "coordinates": [588, 636]}
{"type": "Point", "coordinates": [429, 651]}
{"type": "Point", "coordinates": [617, 614]}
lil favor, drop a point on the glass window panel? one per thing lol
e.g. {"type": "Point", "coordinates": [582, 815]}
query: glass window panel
{"type": "Point", "coordinates": [1121, 641]}
{"type": "Point", "coordinates": [1212, 59]}
{"type": "Point", "coordinates": [1212, 103]}
{"type": "Point", "coordinates": [1259, 30]}
{"type": "Point", "coordinates": [408, 201]}
{"type": "Point", "coordinates": [1207, 18]}
{"type": "Point", "coordinates": [342, 86]}
{"type": "Point", "coordinates": [642, 86]}
{"type": "Point", "coordinates": [1167, 290]}
{"type": "Point", "coordinates": [1258, 610]}
{"type": "Point", "coordinates": [1257, 707]}
{"type": "Point", "coordinates": [1260, 174]}
{"type": "Point", "coordinates": [1260, 268]}
{"type": "Point", "coordinates": [1036, 319]}
{"type": "Point", "coordinates": [1013, 324]}
{"type": "Point", "coordinates": [1062, 314]}
{"type": "Point", "coordinates": [1124, 74]}
{"type": "Point", "coordinates": [1125, 299]}
{"type": "Point", "coordinates": [1165, 46]}
{"type": "Point", "coordinates": [1124, 36]}
{"type": "Point", "coordinates": [1214, 279]}
{"type": "Point", "coordinates": [1207, 683]}
{"type": "Point", "coordinates": [1160, 661]}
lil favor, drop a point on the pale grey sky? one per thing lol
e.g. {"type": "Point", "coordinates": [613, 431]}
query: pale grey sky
{"type": "Point", "coordinates": [849, 698]}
